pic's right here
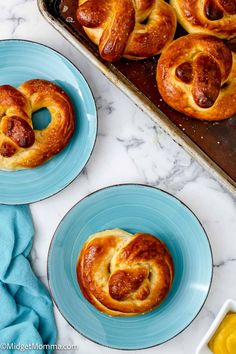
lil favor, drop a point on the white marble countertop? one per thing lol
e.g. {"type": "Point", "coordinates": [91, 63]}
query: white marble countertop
{"type": "Point", "coordinates": [130, 148]}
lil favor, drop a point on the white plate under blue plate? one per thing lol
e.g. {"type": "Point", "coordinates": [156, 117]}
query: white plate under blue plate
{"type": "Point", "coordinates": [21, 61]}
{"type": "Point", "coordinates": [133, 208]}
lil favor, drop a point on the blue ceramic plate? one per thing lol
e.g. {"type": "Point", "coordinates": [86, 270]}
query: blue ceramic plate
{"type": "Point", "coordinates": [133, 208]}
{"type": "Point", "coordinates": [21, 61]}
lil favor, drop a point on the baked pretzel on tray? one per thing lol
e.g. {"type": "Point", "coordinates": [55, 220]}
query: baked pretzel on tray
{"type": "Point", "coordinates": [215, 17]}
{"type": "Point", "coordinates": [134, 29]}
{"type": "Point", "coordinates": [196, 75]}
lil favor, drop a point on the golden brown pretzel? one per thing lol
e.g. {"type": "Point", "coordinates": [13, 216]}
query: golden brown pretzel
{"type": "Point", "coordinates": [123, 274]}
{"type": "Point", "coordinates": [196, 75]}
{"type": "Point", "coordinates": [20, 145]}
{"type": "Point", "coordinates": [215, 17]}
{"type": "Point", "coordinates": [135, 29]}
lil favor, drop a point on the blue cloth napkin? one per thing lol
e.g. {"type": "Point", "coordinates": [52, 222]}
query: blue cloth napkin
{"type": "Point", "coordinates": [26, 314]}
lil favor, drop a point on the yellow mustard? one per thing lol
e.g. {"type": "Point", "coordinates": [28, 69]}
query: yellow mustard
{"type": "Point", "coordinates": [224, 339]}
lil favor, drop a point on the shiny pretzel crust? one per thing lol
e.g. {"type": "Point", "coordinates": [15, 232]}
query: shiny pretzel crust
{"type": "Point", "coordinates": [123, 274]}
{"type": "Point", "coordinates": [191, 15]}
{"type": "Point", "coordinates": [135, 29]}
{"type": "Point", "coordinates": [20, 104]}
{"type": "Point", "coordinates": [210, 93]}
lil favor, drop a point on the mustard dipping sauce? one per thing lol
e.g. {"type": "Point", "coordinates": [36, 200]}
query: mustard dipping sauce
{"type": "Point", "coordinates": [224, 339]}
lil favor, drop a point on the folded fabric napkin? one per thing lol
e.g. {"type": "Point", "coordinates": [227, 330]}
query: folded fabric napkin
{"type": "Point", "coordinates": [26, 314]}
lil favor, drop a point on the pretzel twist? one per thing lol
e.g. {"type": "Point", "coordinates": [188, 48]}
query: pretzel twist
{"type": "Point", "coordinates": [20, 145]}
{"type": "Point", "coordinates": [215, 17]}
{"type": "Point", "coordinates": [123, 274]}
{"type": "Point", "coordinates": [196, 75]}
{"type": "Point", "coordinates": [135, 29]}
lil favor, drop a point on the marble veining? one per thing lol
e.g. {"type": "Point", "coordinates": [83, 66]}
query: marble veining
{"type": "Point", "coordinates": [129, 148]}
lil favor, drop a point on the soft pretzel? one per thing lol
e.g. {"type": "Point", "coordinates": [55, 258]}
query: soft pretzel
{"type": "Point", "coordinates": [196, 75]}
{"type": "Point", "coordinates": [215, 17]}
{"type": "Point", "coordinates": [20, 145]}
{"type": "Point", "coordinates": [123, 274]}
{"type": "Point", "coordinates": [135, 29]}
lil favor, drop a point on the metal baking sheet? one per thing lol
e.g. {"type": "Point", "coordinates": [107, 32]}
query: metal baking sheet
{"type": "Point", "coordinates": [213, 144]}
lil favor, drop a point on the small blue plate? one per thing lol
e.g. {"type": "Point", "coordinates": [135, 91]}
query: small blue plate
{"type": "Point", "coordinates": [133, 208]}
{"type": "Point", "coordinates": [21, 61]}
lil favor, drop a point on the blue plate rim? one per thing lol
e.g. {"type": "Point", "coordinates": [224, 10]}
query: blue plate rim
{"type": "Point", "coordinates": [96, 118]}
{"type": "Point", "coordinates": [128, 185]}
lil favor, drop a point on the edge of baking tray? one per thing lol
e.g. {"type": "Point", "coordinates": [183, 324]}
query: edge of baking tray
{"type": "Point", "coordinates": [141, 101]}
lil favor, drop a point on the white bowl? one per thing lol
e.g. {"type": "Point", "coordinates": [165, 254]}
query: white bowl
{"type": "Point", "coordinates": [229, 306]}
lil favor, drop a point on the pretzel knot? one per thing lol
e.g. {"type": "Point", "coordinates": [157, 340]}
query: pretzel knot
{"type": "Point", "coordinates": [20, 145]}
{"type": "Point", "coordinates": [135, 29]}
{"type": "Point", "coordinates": [123, 274]}
{"type": "Point", "coordinates": [215, 17]}
{"type": "Point", "coordinates": [196, 75]}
